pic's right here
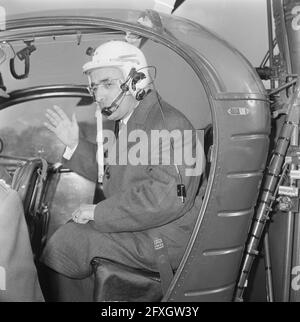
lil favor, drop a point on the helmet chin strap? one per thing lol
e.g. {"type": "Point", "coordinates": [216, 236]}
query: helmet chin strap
{"type": "Point", "coordinates": [105, 111]}
{"type": "Point", "coordinates": [99, 139]}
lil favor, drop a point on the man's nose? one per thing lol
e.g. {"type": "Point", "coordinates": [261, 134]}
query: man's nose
{"type": "Point", "coordinates": [99, 95]}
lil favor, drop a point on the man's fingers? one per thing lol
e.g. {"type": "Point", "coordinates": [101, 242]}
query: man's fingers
{"type": "Point", "coordinates": [50, 127]}
{"type": "Point", "coordinates": [79, 219]}
{"type": "Point", "coordinates": [55, 115]}
{"type": "Point", "coordinates": [51, 119]}
{"type": "Point", "coordinates": [82, 221]}
{"type": "Point", "coordinates": [61, 113]}
{"type": "Point", "coordinates": [75, 215]}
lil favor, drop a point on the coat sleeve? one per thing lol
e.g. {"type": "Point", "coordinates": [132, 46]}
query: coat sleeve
{"type": "Point", "coordinates": [83, 161]}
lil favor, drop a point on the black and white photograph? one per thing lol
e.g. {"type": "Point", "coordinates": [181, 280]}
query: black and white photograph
{"type": "Point", "coordinates": [149, 154]}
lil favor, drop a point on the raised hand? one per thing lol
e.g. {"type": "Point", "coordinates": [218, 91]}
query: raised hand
{"type": "Point", "coordinates": [65, 129]}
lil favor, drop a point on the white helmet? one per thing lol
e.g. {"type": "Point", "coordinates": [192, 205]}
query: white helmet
{"type": "Point", "coordinates": [124, 56]}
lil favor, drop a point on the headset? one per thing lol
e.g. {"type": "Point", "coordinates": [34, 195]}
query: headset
{"type": "Point", "coordinates": [134, 77]}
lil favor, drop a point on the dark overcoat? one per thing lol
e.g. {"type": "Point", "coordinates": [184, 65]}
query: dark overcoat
{"type": "Point", "coordinates": [141, 200]}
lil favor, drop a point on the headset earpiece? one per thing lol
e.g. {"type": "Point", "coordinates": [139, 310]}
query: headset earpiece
{"type": "Point", "coordinates": [134, 78]}
{"type": "Point", "coordinates": [138, 76]}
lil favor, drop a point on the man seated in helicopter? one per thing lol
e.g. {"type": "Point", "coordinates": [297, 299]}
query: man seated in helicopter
{"type": "Point", "coordinates": [146, 196]}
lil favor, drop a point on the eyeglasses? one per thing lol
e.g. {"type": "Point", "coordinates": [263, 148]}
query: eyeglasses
{"type": "Point", "coordinates": [106, 84]}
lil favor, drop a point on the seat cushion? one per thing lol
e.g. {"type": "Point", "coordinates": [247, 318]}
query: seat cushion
{"type": "Point", "coordinates": [118, 282]}
{"type": "Point", "coordinates": [29, 181]}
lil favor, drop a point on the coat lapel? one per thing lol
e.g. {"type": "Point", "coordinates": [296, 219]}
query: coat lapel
{"type": "Point", "coordinates": [122, 146]}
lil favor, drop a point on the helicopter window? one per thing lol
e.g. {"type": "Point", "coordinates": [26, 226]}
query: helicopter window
{"type": "Point", "coordinates": [178, 84]}
{"type": "Point", "coordinates": [25, 136]}
{"type": "Point", "coordinates": [23, 132]}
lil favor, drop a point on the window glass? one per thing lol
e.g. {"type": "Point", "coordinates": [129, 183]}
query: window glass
{"type": "Point", "coordinates": [24, 135]}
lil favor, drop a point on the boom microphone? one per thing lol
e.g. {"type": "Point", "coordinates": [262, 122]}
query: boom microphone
{"type": "Point", "coordinates": [107, 111]}
{"type": "Point", "coordinates": [135, 77]}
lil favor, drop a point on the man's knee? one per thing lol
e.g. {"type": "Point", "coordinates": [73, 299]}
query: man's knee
{"type": "Point", "coordinates": [59, 288]}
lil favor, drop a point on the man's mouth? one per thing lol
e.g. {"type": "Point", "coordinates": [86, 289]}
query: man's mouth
{"type": "Point", "coordinates": [108, 110]}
